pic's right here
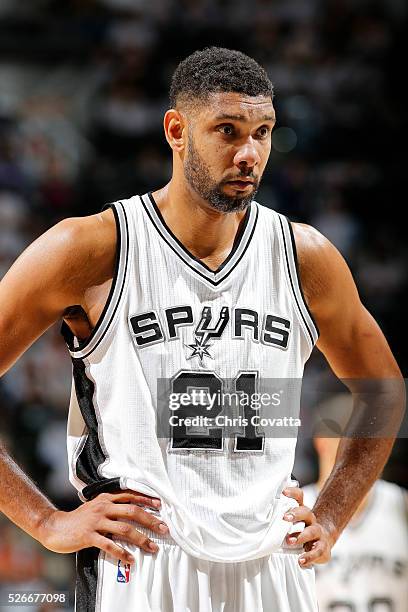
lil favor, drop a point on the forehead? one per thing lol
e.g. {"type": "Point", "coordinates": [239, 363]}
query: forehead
{"type": "Point", "coordinates": [229, 105]}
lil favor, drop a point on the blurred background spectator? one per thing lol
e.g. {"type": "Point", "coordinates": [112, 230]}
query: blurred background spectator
{"type": "Point", "coordinates": [368, 570]}
{"type": "Point", "coordinates": [83, 86]}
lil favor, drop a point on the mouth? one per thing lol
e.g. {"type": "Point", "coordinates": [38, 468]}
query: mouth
{"type": "Point", "coordinates": [241, 184]}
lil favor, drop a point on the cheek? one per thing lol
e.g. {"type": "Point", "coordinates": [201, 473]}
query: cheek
{"type": "Point", "coordinates": [264, 149]}
{"type": "Point", "coordinates": [214, 147]}
{"type": "Point", "coordinates": [218, 158]}
{"type": "Point", "coordinates": [264, 153]}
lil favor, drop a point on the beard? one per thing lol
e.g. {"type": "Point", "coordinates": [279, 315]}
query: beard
{"type": "Point", "coordinates": [199, 178]}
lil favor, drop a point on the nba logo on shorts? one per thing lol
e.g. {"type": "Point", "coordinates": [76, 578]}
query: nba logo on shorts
{"type": "Point", "coordinates": [123, 574]}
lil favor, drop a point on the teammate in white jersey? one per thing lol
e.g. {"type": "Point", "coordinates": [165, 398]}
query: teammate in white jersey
{"type": "Point", "coordinates": [368, 571]}
{"type": "Point", "coordinates": [198, 285]}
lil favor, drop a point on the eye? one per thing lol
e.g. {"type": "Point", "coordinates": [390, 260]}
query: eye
{"type": "Point", "coordinates": [227, 129]}
{"type": "Point", "coordinates": [263, 131]}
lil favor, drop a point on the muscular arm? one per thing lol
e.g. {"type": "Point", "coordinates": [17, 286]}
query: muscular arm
{"type": "Point", "coordinates": [59, 275]}
{"type": "Point", "coordinates": [54, 273]}
{"type": "Point", "coordinates": [49, 277]}
{"type": "Point", "coordinates": [357, 352]}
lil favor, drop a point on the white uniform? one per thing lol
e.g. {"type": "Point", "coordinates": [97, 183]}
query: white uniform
{"type": "Point", "coordinates": [170, 317]}
{"type": "Point", "coordinates": [369, 567]}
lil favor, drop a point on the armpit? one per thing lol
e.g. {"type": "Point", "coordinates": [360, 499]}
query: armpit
{"type": "Point", "coordinates": [74, 313]}
{"type": "Point", "coordinates": [77, 320]}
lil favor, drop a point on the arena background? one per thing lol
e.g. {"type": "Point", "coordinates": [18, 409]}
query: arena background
{"type": "Point", "coordinates": [83, 86]}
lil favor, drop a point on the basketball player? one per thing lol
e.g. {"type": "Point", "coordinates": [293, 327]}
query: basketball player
{"type": "Point", "coordinates": [368, 571]}
{"type": "Point", "coordinates": [194, 281]}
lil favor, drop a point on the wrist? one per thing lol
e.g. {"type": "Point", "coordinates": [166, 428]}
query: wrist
{"type": "Point", "coordinates": [328, 525]}
{"type": "Point", "coordinates": [44, 526]}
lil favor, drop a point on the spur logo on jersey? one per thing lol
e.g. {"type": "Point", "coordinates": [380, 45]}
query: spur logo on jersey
{"type": "Point", "coordinates": [150, 327]}
{"type": "Point", "coordinates": [203, 332]}
{"type": "Point", "coordinates": [123, 574]}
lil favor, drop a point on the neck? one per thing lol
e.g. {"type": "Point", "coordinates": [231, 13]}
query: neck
{"type": "Point", "coordinates": [208, 234]}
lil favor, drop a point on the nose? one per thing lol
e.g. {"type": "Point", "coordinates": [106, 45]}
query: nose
{"type": "Point", "coordinates": [247, 155]}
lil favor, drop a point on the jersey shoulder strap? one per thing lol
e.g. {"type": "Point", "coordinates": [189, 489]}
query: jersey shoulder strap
{"type": "Point", "coordinates": [292, 270]}
{"type": "Point", "coordinates": [83, 349]}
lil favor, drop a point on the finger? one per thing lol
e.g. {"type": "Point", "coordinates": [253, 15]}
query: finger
{"type": "Point", "coordinates": [291, 538]}
{"type": "Point", "coordinates": [317, 554]}
{"type": "Point", "coordinates": [300, 514]}
{"type": "Point", "coordinates": [132, 498]}
{"type": "Point", "coordinates": [128, 533]}
{"type": "Point", "coordinates": [153, 501]}
{"type": "Point", "coordinates": [295, 493]}
{"type": "Point", "coordinates": [112, 549]}
{"type": "Point", "coordinates": [137, 514]}
{"type": "Point", "coordinates": [310, 534]}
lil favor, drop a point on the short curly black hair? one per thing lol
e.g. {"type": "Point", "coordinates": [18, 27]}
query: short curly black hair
{"type": "Point", "coordinates": [216, 69]}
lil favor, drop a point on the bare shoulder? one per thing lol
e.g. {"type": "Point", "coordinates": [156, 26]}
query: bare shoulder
{"type": "Point", "coordinates": [314, 253]}
{"type": "Point", "coordinates": [83, 248]}
{"type": "Point", "coordinates": [74, 254]}
{"type": "Point", "coordinates": [324, 274]}
{"type": "Point", "coordinates": [54, 273]}
{"type": "Point", "coordinates": [92, 234]}
{"type": "Point", "coordinates": [86, 246]}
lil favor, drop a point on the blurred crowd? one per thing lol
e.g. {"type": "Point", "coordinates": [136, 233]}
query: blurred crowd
{"type": "Point", "coordinates": [83, 86]}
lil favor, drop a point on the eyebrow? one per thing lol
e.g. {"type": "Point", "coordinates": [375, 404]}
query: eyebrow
{"type": "Point", "coordinates": [225, 116]}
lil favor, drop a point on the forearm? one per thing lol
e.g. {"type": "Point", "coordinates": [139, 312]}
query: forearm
{"type": "Point", "coordinates": [20, 499]}
{"type": "Point", "coordinates": [378, 409]}
{"type": "Point", "coordinates": [359, 463]}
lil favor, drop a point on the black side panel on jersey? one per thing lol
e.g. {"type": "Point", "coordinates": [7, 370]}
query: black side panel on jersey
{"type": "Point", "coordinates": [86, 579]}
{"type": "Point", "coordinates": [92, 455]}
{"type": "Point", "coordinates": [106, 485]}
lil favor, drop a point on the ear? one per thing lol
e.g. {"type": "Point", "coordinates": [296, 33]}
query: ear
{"type": "Point", "coordinates": [174, 124]}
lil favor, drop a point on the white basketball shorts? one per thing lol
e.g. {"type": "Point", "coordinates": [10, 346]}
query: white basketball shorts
{"type": "Point", "coordinates": [173, 581]}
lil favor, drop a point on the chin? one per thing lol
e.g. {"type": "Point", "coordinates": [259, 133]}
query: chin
{"type": "Point", "coordinates": [228, 204]}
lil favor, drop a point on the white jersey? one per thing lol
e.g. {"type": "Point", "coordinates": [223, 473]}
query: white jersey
{"type": "Point", "coordinates": [169, 316]}
{"type": "Point", "coordinates": [368, 571]}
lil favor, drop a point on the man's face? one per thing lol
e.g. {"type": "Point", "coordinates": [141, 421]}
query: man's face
{"type": "Point", "coordinates": [229, 141]}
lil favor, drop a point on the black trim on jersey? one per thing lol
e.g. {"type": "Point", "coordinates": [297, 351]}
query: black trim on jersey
{"type": "Point", "coordinates": [291, 281]}
{"type": "Point", "coordinates": [237, 240]}
{"type": "Point", "coordinates": [295, 256]}
{"type": "Point", "coordinates": [68, 336]}
{"type": "Point", "coordinates": [92, 455]}
{"type": "Point", "coordinates": [86, 579]}
{"type": "Point", "coordinates": [107, 485]}
{"type": "Point", "coordinates": [65, 330]}
{"type": "Point", "coordinates": [206, 269]}
{"type": "Point", "coordinates": [84, 343]}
